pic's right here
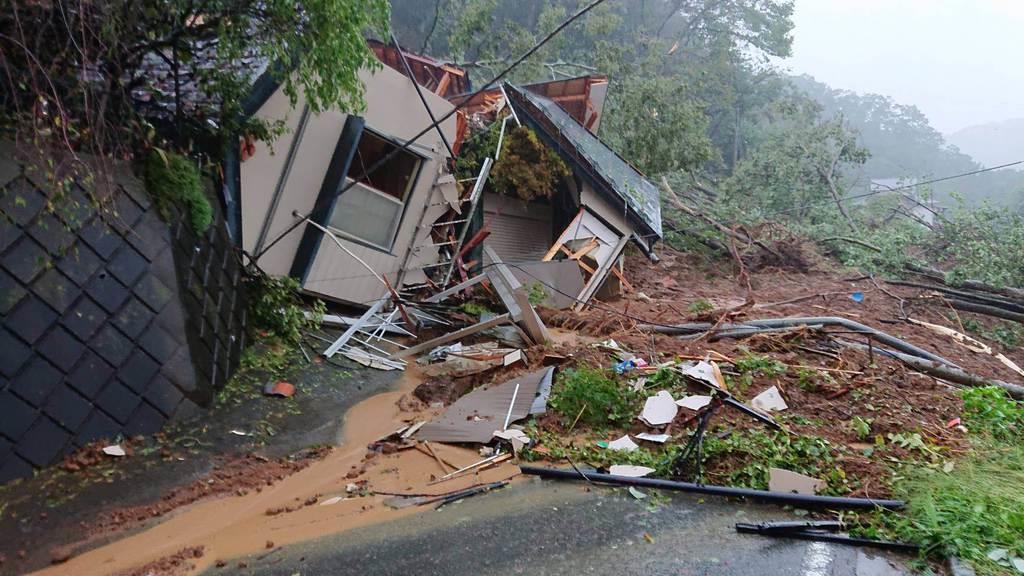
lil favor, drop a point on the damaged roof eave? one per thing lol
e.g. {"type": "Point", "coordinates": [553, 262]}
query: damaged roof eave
{"type": "Point", "coordinates": [586, 171]}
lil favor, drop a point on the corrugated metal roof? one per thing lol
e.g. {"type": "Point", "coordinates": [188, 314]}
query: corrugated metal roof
{"type": "Point", "coordinates": [620, 177]}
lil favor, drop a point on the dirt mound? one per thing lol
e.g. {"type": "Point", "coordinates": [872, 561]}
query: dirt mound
{"type": "Point", "coordinates": [236, 476]}
{"type": "Point", "coordinates": [176, 564]}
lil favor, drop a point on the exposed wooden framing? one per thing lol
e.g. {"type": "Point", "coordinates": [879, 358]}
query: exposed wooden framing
{"type": "Point", "coordinates": [558, 244]}
{"type": "Point", "coordinates": [442, 86]}
{"type": "Point", "coordinates": [600, 274]}
{"type": "Point", "coordinates": [452, 336]}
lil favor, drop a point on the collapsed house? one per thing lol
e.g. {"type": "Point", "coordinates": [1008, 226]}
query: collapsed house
{"type": "Point", "coordinates": [312, 205]}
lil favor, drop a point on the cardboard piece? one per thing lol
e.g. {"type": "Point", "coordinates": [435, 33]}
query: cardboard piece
{"type": "Point", "coordinates": [659, 409]}
{"type": "Point", "coordinates": [769, 401]}
{"type": "Point", "coordinates": [694, 402]}
{"type": "Point", "coordinates": [630, 471]}
{"type": "Point", "coordinates": [625, 444]}
{"type": "Point", "coordinates": [780, 480]}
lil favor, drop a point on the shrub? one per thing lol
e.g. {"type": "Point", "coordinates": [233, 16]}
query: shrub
{"type": "Point", "coordinates": [602, 400]}
{"type": "Point", "coordinates": [275, 308]}
{"type": "Point", "coordinates": [172, 179]}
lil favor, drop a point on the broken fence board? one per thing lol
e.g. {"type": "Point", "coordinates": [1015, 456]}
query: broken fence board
{"type": "Point", "coordinates": [348, 334]}
{"type": "Point", "coordinates": [451, 337]}
{"type": "Point", "coordinates": [457, 288]}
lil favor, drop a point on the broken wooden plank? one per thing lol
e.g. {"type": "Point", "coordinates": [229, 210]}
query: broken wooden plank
{"type": "Point", "coordinates": [457, 288]}
{"type": "Point", "coordinates": [451, 337]}
{"type": "Point", "coordinates": [515, 298]}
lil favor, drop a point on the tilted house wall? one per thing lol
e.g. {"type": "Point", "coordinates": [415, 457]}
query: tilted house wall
{"type": "Point", "coordinates": [304, 169]}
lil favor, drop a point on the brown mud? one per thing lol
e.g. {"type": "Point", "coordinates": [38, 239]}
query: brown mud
{"type": "Point", "coordinates": [293, 508]}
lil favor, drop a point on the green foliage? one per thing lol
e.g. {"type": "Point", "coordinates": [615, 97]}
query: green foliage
{"type": "Point", "coordinates": [314, 47]}
{"type": "Point", "coordinates": [991, 411]}
{"type": "Point", "coordinates": [172, 179]}
{"type": "Point", "coordinates": [985, 243]}
{"type": "Point", "coordinates": [475, 308]}
{"type": "Point", "coordinates": [536, 294]}
{"type": "Point", "coordinates": [275, 308]}
{"type": "Point", "coordinates": [757, 451]}
{"type": "Point", "coordinates": [526, 167]}
{"type": "Point", "coordinates": [1008, 334]}
{"type": "Point", "coordinates": [602, 399]}
{"type": "Point", "coordinates": [700, 306]}
{"type": "Point", "coordinates": [760, 366]}
{"type": "Point", "coordinates": [656, 125]}
{"type": "Point", "coordinates": [861, 427]}
{"type": "Point", "coordinates": [968, 510]}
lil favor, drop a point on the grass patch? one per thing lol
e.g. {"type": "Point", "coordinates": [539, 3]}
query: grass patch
{"type": "Point", "coordinates": [600, 398]}
{"type": "Point", "coordinates": [970, 511]}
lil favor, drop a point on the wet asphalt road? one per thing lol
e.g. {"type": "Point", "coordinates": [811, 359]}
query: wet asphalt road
{"type": "Point", "coordinates": [545, 528]}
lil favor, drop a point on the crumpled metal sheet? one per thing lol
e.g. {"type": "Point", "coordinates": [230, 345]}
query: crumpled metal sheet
{"type": "Point", "coordinates": [476, 416]}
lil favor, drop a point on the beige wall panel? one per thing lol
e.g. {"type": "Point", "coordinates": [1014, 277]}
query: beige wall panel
{"type": "Point", "coordinates": [259, 175]}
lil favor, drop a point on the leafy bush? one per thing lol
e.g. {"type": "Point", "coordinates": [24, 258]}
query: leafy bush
{"type": "Point", "coordinates": [990, 410]}
{"type": "Point", "coordinates": [602, 400]}
{"type": "Point", "coordinates": [760, 366]}
{"type": "Point", "coordinates": [275, 308]}
{"type": "Point", "coordinates": [172, 179]}
{"type": "Point", "coordinates": [758, 451]}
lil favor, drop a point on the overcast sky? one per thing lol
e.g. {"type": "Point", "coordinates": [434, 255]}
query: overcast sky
{"type": "Point", "coordinates": [960, 61]}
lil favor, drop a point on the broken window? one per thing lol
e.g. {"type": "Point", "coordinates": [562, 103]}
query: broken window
{"type": "Point", "coordinates": [371, 210]}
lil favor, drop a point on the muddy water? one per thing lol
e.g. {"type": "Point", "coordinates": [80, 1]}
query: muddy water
{"type": "Point", "coordinates": [238, 526]}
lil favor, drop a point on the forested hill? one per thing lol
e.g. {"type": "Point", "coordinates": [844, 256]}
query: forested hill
{"type": "Point", "coordinates": [695, 95]}
{"type": "Point", "coordinates": [904, 145]}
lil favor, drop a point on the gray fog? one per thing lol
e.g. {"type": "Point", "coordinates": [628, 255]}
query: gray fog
{"type": "Point", "coordinates": [960, 61]}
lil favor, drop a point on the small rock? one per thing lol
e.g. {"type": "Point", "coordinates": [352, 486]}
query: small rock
{"type": "Point", "coordinates": [270, 544]}
{"type": "Point", "coordinates": [60, 555]}
{"type": "Point", "coordinates": [221, 564]}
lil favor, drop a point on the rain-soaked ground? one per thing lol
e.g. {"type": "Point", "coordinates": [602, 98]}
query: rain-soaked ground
{"type": "Point", "coordinates": [529, 527]}
{"type": "Point", "coordinates": [58, 508]}
{"type": "Point", "coordinates": [544, 527]}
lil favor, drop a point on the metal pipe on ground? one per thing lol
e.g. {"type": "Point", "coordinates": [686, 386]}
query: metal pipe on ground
{"type": "Point", "coordinates": [745, 332]}
{"type": "Point", "coordinates": [950, 374]}
{"type": "Point", "coordinates": [878, 335]}
{"type": "Point", "coordinates": [801, 500]}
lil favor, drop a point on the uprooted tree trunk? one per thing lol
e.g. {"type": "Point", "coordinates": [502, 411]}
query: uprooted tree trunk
{"type": "Point", "coordinates": [940, 276]}
{"type": "Point", "coordinates": [678, 204]}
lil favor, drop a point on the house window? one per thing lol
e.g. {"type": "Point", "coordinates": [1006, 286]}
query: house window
{"type": "Point", "coordinates": [372, 209]}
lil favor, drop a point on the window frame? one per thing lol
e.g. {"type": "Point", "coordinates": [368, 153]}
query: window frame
{"type": "Point", "coordinates": [346, 180]}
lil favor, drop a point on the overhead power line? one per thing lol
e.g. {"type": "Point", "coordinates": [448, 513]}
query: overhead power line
{"type": "Point", "coordinates": [898, 188]}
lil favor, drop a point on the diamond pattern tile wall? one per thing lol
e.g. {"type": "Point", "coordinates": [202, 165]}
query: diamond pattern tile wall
{"type": "Point", "coordinates": [111, 320]}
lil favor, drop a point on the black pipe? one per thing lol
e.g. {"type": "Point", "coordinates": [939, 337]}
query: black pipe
{"type": "Point", "coordinates": [834, 538]}
{"type": "Point", "coordinates": [801, 500]}
{"type": "Point", "coordinates": [802, 321]}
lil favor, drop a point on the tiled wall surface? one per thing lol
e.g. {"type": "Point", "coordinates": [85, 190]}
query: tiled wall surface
{"type": "Point", "coordinates": [113, 321]}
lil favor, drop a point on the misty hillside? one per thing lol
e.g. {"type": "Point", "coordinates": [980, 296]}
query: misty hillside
{"type": "Point", "coordinates": [992, 144]}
